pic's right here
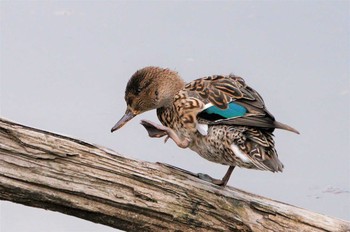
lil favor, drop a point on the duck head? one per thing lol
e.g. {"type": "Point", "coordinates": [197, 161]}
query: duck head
{"type": "Point", "coordinates": [149, 88]}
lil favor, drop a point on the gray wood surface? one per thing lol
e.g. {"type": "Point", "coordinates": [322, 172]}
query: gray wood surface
{"type": "Point", "coordinates": [54, 172]}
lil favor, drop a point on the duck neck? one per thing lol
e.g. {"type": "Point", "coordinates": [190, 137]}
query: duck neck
{"type": "Point", "coordinates": [170, 88]}
{"type": "Point", "coordinates": [166, 110]}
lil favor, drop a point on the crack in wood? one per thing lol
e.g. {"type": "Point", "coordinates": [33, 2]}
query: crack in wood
{"type": "Point", "coordinates": [42, 169]}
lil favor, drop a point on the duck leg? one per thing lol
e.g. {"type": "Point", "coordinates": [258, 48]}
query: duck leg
{"type": "Point", "coordinates": [157, 131]}
{"type": "Point", "coordinates": [219, 182]}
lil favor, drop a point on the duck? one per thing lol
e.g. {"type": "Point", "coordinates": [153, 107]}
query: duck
{"type": "Point", "coordinates": [219, 117]}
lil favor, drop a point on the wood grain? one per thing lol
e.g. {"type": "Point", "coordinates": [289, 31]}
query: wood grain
{"type": "Point", "coordinates": [50, 171]}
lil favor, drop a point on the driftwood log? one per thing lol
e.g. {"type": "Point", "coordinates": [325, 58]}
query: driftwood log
{"type": "Point", "coordinates": [50, 171]}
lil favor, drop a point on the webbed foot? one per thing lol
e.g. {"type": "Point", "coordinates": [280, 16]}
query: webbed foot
{"type": "Point", "coordinates": [222, 182]}
{"type": "Point", "coordinates": [157, 131]}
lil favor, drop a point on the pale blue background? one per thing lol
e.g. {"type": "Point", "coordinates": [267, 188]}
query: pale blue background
{"type": "Point", "coordinates": [64, 67]}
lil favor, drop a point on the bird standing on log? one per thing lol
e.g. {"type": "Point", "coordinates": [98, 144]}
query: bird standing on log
{"type": "Point", "coordinates": [219, 117]}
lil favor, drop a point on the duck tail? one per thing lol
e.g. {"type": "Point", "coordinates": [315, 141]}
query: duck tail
{"type": "Point", "coordinates": [282, 126]}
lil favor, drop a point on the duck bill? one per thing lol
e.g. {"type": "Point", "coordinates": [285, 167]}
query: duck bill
{"type": "Point", "coordinates": [127, 117]}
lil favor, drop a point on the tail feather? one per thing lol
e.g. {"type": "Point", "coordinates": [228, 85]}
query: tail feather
{"type": "Point", "coordinates": [280, 125]}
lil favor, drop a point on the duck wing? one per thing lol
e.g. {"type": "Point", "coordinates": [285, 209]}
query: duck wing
{"type": "Point", "coordinates": [229, 100]}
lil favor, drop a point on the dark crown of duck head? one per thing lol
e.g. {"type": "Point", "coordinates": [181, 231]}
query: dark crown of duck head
{"type": "Point", "coordinates": [149, 88]}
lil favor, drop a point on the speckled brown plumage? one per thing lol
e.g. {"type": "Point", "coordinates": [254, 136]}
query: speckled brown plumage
{"type": "Point", "coordinates": [219, 117]}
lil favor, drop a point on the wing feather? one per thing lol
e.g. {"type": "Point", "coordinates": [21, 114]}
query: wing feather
{"type": "Point", "coordinates": [221, 90]}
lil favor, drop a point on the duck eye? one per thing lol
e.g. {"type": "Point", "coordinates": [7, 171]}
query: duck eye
{"type": "Point", "coordinates": [138, 90]}
{"type": "Point", "coordinates": [156, 93]}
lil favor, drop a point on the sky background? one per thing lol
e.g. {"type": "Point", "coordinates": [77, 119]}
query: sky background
{"type": "Point", "coordinates": [64, 66]}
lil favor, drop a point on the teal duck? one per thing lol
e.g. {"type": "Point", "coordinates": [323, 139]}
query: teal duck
{"type": "Point", "coordinates": [220, 117]}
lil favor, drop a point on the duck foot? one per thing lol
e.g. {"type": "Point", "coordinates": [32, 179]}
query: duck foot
{"type": "Point", "coordinates": [219, 182]}
{"type": "Point", "coordinates": [157, 131]}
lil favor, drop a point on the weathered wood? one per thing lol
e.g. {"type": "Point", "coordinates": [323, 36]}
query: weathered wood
{"type": "Point", "coordinates": [50, 171]}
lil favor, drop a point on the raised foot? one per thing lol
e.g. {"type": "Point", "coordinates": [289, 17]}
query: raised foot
{"type": "Point", "coordinates": [154, 130]}
{"type": "Point", "coordinates": [157, 131]}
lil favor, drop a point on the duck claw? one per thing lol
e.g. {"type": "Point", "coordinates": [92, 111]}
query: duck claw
{"type": "Point", "coordinates": [166, 139]}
